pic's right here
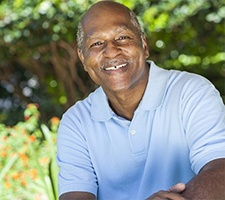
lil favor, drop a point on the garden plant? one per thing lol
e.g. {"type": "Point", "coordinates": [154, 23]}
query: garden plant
{"type": "Point", "coordinates": [28, 168]}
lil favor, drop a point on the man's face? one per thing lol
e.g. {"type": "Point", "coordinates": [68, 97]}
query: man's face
{"type": "Point", "coordinates": [113, 53]}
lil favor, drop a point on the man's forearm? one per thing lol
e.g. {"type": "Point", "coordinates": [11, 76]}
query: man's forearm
{"type": "Point", "coordinates": [209, 183]}
{"type": "Point", "coordinates": [77, 196]}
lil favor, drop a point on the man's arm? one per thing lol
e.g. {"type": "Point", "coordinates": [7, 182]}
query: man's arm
{"type": "Point", "coordinates": [77, 196]}
{"type": "Point", "coordinates": [208, 184]}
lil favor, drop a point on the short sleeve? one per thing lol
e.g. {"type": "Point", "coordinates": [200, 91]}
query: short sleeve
{"type": "Point", "coordinates": [76, 170]}
{"type": "Point", "coordinates": [204, 122]}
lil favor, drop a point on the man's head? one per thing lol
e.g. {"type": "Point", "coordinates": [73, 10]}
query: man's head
{"type": "Point", "coordinates": [111, 46]}
{"type": "Point", "coordinates": [133, 20]}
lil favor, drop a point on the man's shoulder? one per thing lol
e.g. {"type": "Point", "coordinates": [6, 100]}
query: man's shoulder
{"type": "Point", "coordinates": [85, 108]}
{"type": "Point", "coordinates": [177, 75]}
{"type": "Point", "coordinates": [84, 104]}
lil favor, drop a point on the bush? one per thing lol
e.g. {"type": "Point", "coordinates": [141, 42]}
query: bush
{"type": "Point", "coordinates": [27, 158]}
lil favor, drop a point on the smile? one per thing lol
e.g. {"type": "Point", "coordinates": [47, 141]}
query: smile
{"type": "Point", "coordinates": [115, 67]}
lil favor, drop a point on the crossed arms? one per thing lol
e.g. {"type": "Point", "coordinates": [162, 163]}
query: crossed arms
{"type": "Point", "coordinates": [208, 184]}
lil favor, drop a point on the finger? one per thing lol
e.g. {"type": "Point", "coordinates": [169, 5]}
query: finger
{"type": "Point", "coordinates": [178, 188]}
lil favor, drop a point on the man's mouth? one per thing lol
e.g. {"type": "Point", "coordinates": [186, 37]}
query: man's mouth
{"type": "Point", "coordinates": [116, 67]}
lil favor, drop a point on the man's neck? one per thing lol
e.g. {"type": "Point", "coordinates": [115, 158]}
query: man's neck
{"type": "Point", "coordinates": [124, 103]}
{"type": "Point", "coordinates": [124, 106]}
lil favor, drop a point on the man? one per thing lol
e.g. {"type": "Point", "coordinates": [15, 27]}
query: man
{"type": "Point", "coordinates": [146, 132]}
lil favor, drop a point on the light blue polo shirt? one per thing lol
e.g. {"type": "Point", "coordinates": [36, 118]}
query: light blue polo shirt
{"type": "Point", "coordinates": [177, 128]}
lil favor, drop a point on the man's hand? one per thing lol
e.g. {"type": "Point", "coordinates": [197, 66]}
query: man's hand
{"type": "Point", "coordinates": [173, 193]}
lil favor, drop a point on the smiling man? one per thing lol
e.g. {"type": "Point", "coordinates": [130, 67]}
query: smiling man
{"type": "Point", "coordinates": [146, 132]}
{"type": "Point", "coordinates": [114, 53]}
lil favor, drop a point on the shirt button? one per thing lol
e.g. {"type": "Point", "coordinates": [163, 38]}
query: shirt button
{"type": "Point", "coordinates": [133, 132]}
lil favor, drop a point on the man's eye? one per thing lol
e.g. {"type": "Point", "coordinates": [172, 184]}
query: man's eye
{"type": "Point", "coordinates": [123, 37]}
{"type": "Point", "coordinates": [96, 44]}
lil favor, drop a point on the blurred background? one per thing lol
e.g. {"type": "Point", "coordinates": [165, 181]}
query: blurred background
{"type": "Point", "coordinates": [41, 75]}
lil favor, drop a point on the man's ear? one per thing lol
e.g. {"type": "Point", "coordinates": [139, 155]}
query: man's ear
{"type": "Point", "coordinates": [81, 56]}
{"type": "Point", "coordinates": [145, 46]}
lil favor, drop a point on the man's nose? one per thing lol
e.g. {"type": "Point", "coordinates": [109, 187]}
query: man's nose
{"type": "Point", "coordinates": [111, 49]}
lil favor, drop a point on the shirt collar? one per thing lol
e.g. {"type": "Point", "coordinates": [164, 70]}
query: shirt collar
{"type": "Point", "coordinates": [100, 109]}
{"type": "Point", "coordinates": [158, 77]}
{"type": "Point", "coordinates": [156, 87]}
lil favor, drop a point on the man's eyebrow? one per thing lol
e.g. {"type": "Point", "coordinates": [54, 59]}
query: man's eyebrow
{"type": "Point", "coordinates": [116, 30]}
{"type": "Point", "coordinates": [124, 27]}
{"type": "Point", "coordinates": [121, 28]}
{"type": "Point", "coordinates": [90, 36]}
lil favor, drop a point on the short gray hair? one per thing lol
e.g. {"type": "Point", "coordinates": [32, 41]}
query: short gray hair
{"type": "Point", "coordinates": [80, 31]}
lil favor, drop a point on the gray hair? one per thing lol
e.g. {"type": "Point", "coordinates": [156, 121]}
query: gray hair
{"type": "Point", "coordinates": [80, 31]}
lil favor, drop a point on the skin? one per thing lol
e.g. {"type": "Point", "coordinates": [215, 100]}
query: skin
{"type": "Point", "coordinates": [112, 40]}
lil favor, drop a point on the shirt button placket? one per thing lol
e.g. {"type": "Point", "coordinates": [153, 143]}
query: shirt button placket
{"type": "Point", "coordinates": [133, 140]}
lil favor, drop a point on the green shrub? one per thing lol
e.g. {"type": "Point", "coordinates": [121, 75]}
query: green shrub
{"type": "Point", "coordinates": [28, 169]}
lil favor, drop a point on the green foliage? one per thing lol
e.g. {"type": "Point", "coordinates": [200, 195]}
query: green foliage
{"type": "Point", "coordinates": [40, 22]}
{"type": "Point", "coordinates": [35, 40]}
{"type": "Point", "coordinates": [28, 167]}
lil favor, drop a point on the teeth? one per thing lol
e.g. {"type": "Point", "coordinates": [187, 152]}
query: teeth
{"type": "Point", "coordinates": [115, 67]}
